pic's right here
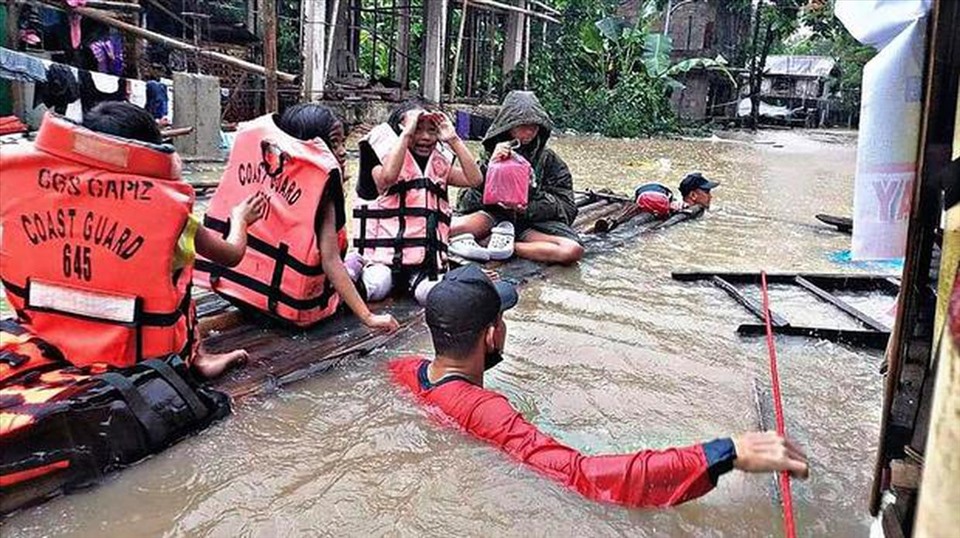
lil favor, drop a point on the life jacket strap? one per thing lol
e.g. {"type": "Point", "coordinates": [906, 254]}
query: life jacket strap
{"type": "Point", "coordinates": [281, 255]}
{"type": "Point", "coordinates": [173, 379]}
{"type": "Point", "coordinates": [266, 290]}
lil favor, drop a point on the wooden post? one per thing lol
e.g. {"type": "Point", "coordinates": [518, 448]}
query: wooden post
{"type": "Point", "coordinates": [456, 54]}
{"type": "Point", "coordinates": [313, 33]}
{"type": "Point", "coordinates": [336, 28]}
{"type": "Point", "coordinates": [526, 52]}
{"type": "Point", "coordinates": [435, 15]}
{"type": "Point", "coordinates": [470, 56]}
{"type": "Point", "coordinates": [252, 6]}
{"type": "Point", "coordinates": [513, 41]}
{"type": "Point", "coordinates": [268, 16]}
{"type": "Point", "coordinates": [373, 40]}
{"type": "Point", "coordinates": [403, 45]}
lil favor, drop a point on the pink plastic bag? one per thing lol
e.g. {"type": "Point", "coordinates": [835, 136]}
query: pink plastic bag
{"type": "Point", "coordinates": [507, 182]}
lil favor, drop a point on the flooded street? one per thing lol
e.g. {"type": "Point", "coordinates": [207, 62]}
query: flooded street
{"type": "Point", "coordinates": [609, 356]}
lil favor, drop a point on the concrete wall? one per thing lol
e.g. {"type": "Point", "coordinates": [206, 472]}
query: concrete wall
{"type": "Point", "coordinates": [197, 105]}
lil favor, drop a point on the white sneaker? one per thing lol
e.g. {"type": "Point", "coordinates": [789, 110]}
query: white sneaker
{"type": "Point", "coordinates": [466, 246]}
{"type": "Point", "coordinates": [501, 241]}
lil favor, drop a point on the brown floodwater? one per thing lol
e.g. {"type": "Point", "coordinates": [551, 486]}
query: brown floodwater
{"type": "Point", "coordinates": [612, 355]}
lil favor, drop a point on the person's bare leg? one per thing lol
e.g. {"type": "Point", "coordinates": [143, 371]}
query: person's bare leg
{"type": "Point", "coordinates": [211, 365]}
{"type": "Point", "coordinates": [541, 247]}
{"type": "Point", "coordinates": [477, 224]}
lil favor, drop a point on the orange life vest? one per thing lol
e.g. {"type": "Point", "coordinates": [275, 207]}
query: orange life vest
{"type": "Point", "coordinates": [90, 225]}
{"type": "Point", "coordinates": [408, 226]}
{"type": "Point", "coordinates": [281, 273]}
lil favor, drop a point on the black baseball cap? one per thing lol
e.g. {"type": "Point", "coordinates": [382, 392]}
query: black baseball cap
{"type": "Point", "coordinates": [467, 301]}
{"type": "Point", "coordinates": [694, 181]}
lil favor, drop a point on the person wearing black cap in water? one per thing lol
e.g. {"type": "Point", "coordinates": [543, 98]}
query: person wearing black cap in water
{"type": "Point", "coordinates": [464, 312]}
{"type": "Point", "coordinates": [695, 190]}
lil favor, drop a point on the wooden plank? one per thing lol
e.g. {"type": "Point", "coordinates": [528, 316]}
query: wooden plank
{"type": "Point", "coordinates": [859, 338]}
{"type": "Point", "coordinates": [845, 307]}
{"type": "Point", "coordinates": [754, 307]}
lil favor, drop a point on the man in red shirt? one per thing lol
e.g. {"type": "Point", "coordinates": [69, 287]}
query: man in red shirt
{"type": "Point", "coordinates": [464, 314]}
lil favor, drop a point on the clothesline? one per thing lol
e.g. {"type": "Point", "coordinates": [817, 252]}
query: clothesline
{"type": "Point", "coordinates": [71, 90]}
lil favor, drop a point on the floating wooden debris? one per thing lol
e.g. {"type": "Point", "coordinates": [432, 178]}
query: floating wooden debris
{"type": "Point", "coordinates": [873, 335]}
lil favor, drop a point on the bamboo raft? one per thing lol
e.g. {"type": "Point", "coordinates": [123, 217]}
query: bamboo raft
{"type": "Point", "coordinates": [279, 356]}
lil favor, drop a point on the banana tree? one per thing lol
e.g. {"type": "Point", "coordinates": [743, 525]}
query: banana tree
{"type": "Point", "coordinates": [615, 46]}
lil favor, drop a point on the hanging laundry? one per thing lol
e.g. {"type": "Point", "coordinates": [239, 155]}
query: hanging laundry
{"type": "Point", "coordinates": [75, 37]}
{"type": "Point", "coordinates": [137, 89]}
{"type": "Point", "coordinates": [60, 89]}
{"type": "Point", "coordinates": [96, 88]}
{"type": "Point", "coordinates": [30, 27]}
{"type": "Point", "coordinates": [22, 67]}
{"type": "Point", "coordinates": [157, 99]}
{"type": "Point", "coordinates": [108, 52]}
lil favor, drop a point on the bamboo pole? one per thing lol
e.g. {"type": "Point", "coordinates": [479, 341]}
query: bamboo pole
{"type": "Point", "coordinates": [546, 8]}
{"type": "Point", "coordinates": [268, 14]}
{"type": "Point", "coordinates": [490, 4]}
{"type": "Point", "coordinates": [456, 53]}
{"type": "Point", "coordinates": [103, 18]}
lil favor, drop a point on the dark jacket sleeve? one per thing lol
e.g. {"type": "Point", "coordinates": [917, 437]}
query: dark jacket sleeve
{"type": "Point", "coordinates": [554, 197]}
{"type": "Point", "coordinates": [471, 200]}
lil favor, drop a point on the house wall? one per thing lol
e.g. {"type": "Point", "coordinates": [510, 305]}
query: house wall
{"type": "Point", "coordinates": [691, 101]}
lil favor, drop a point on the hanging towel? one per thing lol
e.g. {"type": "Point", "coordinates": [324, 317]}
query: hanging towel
{"type": "Point", "coordinates": [23, 67]}
{"type": "Point", "coordinates": [138, 92]}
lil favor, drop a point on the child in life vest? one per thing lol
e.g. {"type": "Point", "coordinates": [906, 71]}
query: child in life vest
{"type": "Point", "coordinates": [309, 121]}
{"type": "Point", "coordinates": [125, 120]}
{"type": "Point", "coordinates": [402, 213]}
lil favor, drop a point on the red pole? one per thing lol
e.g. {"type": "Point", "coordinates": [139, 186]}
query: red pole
{"type": "Point", "coordinates": [784, 477]}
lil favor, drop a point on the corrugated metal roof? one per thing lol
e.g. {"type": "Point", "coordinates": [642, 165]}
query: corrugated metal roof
{"type": "Point", "coordinates": [802, 66]}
